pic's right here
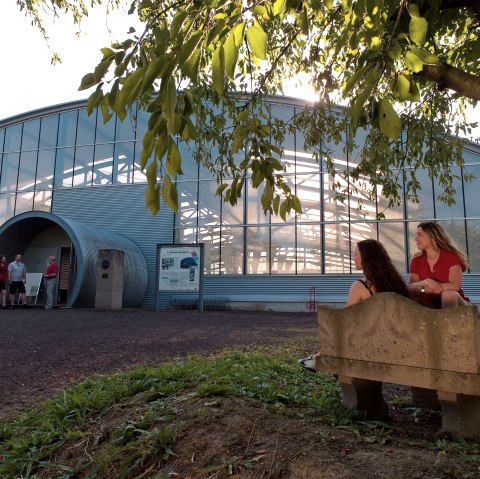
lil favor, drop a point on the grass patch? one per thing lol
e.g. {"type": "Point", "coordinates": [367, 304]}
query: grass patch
{"type": "Point", "coordinates": [125, 425]}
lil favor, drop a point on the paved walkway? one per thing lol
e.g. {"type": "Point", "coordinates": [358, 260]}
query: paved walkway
{"type": "Point", "coordinates": [44, 351]}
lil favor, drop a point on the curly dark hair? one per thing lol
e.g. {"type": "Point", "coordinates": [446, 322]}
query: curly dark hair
{"type": "Point", "coordinates": [379, 269]}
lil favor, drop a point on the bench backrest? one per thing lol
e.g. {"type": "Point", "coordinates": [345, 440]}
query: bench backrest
{"type": "Point", "coordinates": [391, 329]}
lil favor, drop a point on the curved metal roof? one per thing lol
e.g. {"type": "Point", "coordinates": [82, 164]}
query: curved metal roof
{"type": "Point", "coordinates": [19, 231]}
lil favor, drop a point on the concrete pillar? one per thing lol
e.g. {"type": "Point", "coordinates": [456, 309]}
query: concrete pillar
{"type": "Point", "coordinates": [109, 287]}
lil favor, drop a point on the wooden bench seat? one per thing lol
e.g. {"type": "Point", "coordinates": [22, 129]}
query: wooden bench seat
{"type": "Point", "coordinates": [389, 338]}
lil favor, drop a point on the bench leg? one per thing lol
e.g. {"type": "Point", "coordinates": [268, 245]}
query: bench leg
{"type": "Point", "coordinates": [364, 395]}
{"type": "Point", "coordinates": [460, 414]}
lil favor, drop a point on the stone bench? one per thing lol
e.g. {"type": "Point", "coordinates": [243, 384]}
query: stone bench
{"type": "Point", "coordinates": [391, 339]}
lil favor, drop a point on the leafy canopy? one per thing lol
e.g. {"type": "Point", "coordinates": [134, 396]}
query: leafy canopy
{"type": "Point", "coordinates": [405, 71]}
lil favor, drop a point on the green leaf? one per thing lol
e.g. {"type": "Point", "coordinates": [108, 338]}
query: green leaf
{"type": "Point", "coordinates": [352, 81]}
{"type": "Point", "coordinates": [267, 196]}
{"type": "Point", "coordinates": [151, 174]}
{"type": "Point", "coordinates": [418, 30]}
{"type": "Point", "coordinates": [238, 33]}
{"type": "Point", "coordinates": [174, 160]}
{"type": "Point", "coordinates": [191, 67]}
{"type": "Point", "coordinates": [154, 70]}
{"type": "Point", "coordinates": [152, 198]}
{"type": "Point", "coordinates": [148, 144]}
{"type": "Point", "coordinates": [102, 68]}
{"type": "Point", "coordinates": [87, 82]}
{"type": "Point", "coordinates": [257, 41]}
{"type": "Point", "coordinates": [161, 144]}
{"type": "Point", "coordinates": [177, 22]}
{"type": "Point", "coordinates": [218, 70]}
{"type": "Point", "coordinates": [426, 56]}
{"type": "Point", "coordinates": [279, 8]}
{"type": "Point", "coordinates": [169, 194]}
{"type": "Point", "coordinates": [395, 51]}
{"type": "Point", "coordinates": [406, 88]}
{"type": "Point", "coordinates": [231, 55]}
{"type": "Point", "coordinates": [188, 48]}
{"type": "Point", "coordinates": [388, 119]}
{"type": "Point", "coordinates": [130, 87]}
{"type": "Point", "coordinates": [413, 62]}
{"type": "Point", "coordinates": [169, 97]}
{"type": "Point", "coordinates": [303, 22]}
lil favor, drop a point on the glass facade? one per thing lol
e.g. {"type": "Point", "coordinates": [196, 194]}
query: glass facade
{"type": "Point", "coordinates": [52, 150]}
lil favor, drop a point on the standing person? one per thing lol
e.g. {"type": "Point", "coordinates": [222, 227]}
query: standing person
{"type": "Point", "coordinates": [3, 280]}
{"type": "Point", "coordinates": [50, 278]}
{"type": "Point", "coordinates": [17, 275]}
{"type": "Point", "coordinates": [380, 276]}
{"type": "Point", "coordinates": [436, 271]}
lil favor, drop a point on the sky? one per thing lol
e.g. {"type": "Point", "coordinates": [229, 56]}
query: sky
{"type": "Point", "coordinates": [28, 81]}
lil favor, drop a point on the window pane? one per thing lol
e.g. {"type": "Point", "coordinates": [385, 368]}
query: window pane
{"type": "Point", "coordinates": [24, 202]}
{"type": "Point", "coordinates": [209, 203]}
{"type": "Point", "coordinates": [43, 201]}
{"type": "Point", "coordinates": [9, 171]}
{"type": "Point", "coordinates": [308, 190]}
{"type": "Point", "coordinates": [86, 128]}
{"type": "Point", "coordinates": [255, 214]}
{"type": "Point", "coordinates": [334, 209]}
{"type": "Point", "coordinates": [125, 130]}
{"type": "Point", "coordinates": [64, 168]}
{"type": "Point", "coordinates": [67, 128]}
{"type": "Point", "coordinates": [232, 250]}
{"type": "Point", "coordinates": [45, 169]}
{"type": "Point", "coordinates": [424, 208]}
{"type": "Point", "coordinates": [138, 175]}
{"type": "Point", "coordinates": [189, 167]}
{"type": "Point", "coordinates": [82, 175]}
{"type": "Point", "coordinates": [283, 251]}
{"type": "Point", "coordinates": [31, 131]}
{"type": "Point", "coordinates": [394, 212]}
{"type": "Point", "coordinates": [258, 250]}
{"type": "Point", "coordinates": [13, 138]}
{"type": "Point", "coordinates": [123, 163]}
{"type": "Point", "coordinates": [211, 238]}
{"type": "Point", "coordinates": [232, 215]}
{"type": "Point", "coordinates": [337, 248]}
{"type": "Point", "coordinates": [472, 205]}
{"type": "Point", "coordinates": [48, 132]}
{"type": "Point", "coordinates": [473, 236]}
{"type": "Point", "coordinates": [103, 164]}
{"type": "Point", "coordinates": [309, 251]}
{"type": "Point", "coordinates": [105, 131]}
{"type": "Point", "coordinates": [442, 210]}
{"type": "Point", "coordinates": [26, 173]}
{"type": "Point", "coordinates": [391, 235]}
{"type": "Point", "coordinates": [7, 206]}
{"type": "Point", "coordinates": [187, 214]}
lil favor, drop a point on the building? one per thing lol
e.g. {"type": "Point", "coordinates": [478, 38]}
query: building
{"type": "Point", "coordinates": [71, 185]}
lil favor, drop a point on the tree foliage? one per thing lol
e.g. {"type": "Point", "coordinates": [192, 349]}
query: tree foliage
{"type": "Point", "coordinates": [405, 71]}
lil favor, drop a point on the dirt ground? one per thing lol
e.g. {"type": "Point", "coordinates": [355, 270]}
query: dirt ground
{"type": "Point", "coordinates": [42, 353]}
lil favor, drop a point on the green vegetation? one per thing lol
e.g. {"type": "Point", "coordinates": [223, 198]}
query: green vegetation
{"type": "Point", "coordinates": [126, 425]}
{"type": "Point", "coordinates": [406, 71]}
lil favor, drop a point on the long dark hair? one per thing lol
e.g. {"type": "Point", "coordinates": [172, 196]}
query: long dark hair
{"type": "Point", "coordinates": [379, 269]}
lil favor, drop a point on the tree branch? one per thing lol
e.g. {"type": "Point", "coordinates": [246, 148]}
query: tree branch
{"type": "Point", "coordinates": [446, 76]}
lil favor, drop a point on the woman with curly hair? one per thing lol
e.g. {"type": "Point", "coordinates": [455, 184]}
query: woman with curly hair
{"type": "Point", "coordinates": [380, 276]}
{"type": "Point", "coordinates": [436, 271]}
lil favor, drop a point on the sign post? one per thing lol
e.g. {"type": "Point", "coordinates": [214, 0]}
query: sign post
{"type": "Point", "coordinates": [180, 268]}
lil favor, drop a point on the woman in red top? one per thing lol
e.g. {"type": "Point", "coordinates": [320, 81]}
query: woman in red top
{"type": "Point", "coordinates": [3, 280]}
{"type": "Point", "coordinates": [436, 271]}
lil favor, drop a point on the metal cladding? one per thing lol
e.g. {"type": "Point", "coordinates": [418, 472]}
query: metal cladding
{"type": "Point", "coordinates": [19, 231]}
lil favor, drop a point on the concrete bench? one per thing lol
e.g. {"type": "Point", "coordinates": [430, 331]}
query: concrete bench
{"type": "Point", "coordinates": [389, 338]}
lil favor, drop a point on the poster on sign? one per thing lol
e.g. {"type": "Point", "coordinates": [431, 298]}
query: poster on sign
{"type": "Point", "coordinates": [179, 267]}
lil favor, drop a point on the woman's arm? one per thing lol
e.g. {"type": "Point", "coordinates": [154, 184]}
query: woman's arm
{"type": "Point", "coordinates": [357, 293]}
{"type": "Point", "coordinates": [454, 281]}
{"type": "Point", "coordinates": [414, 284]}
